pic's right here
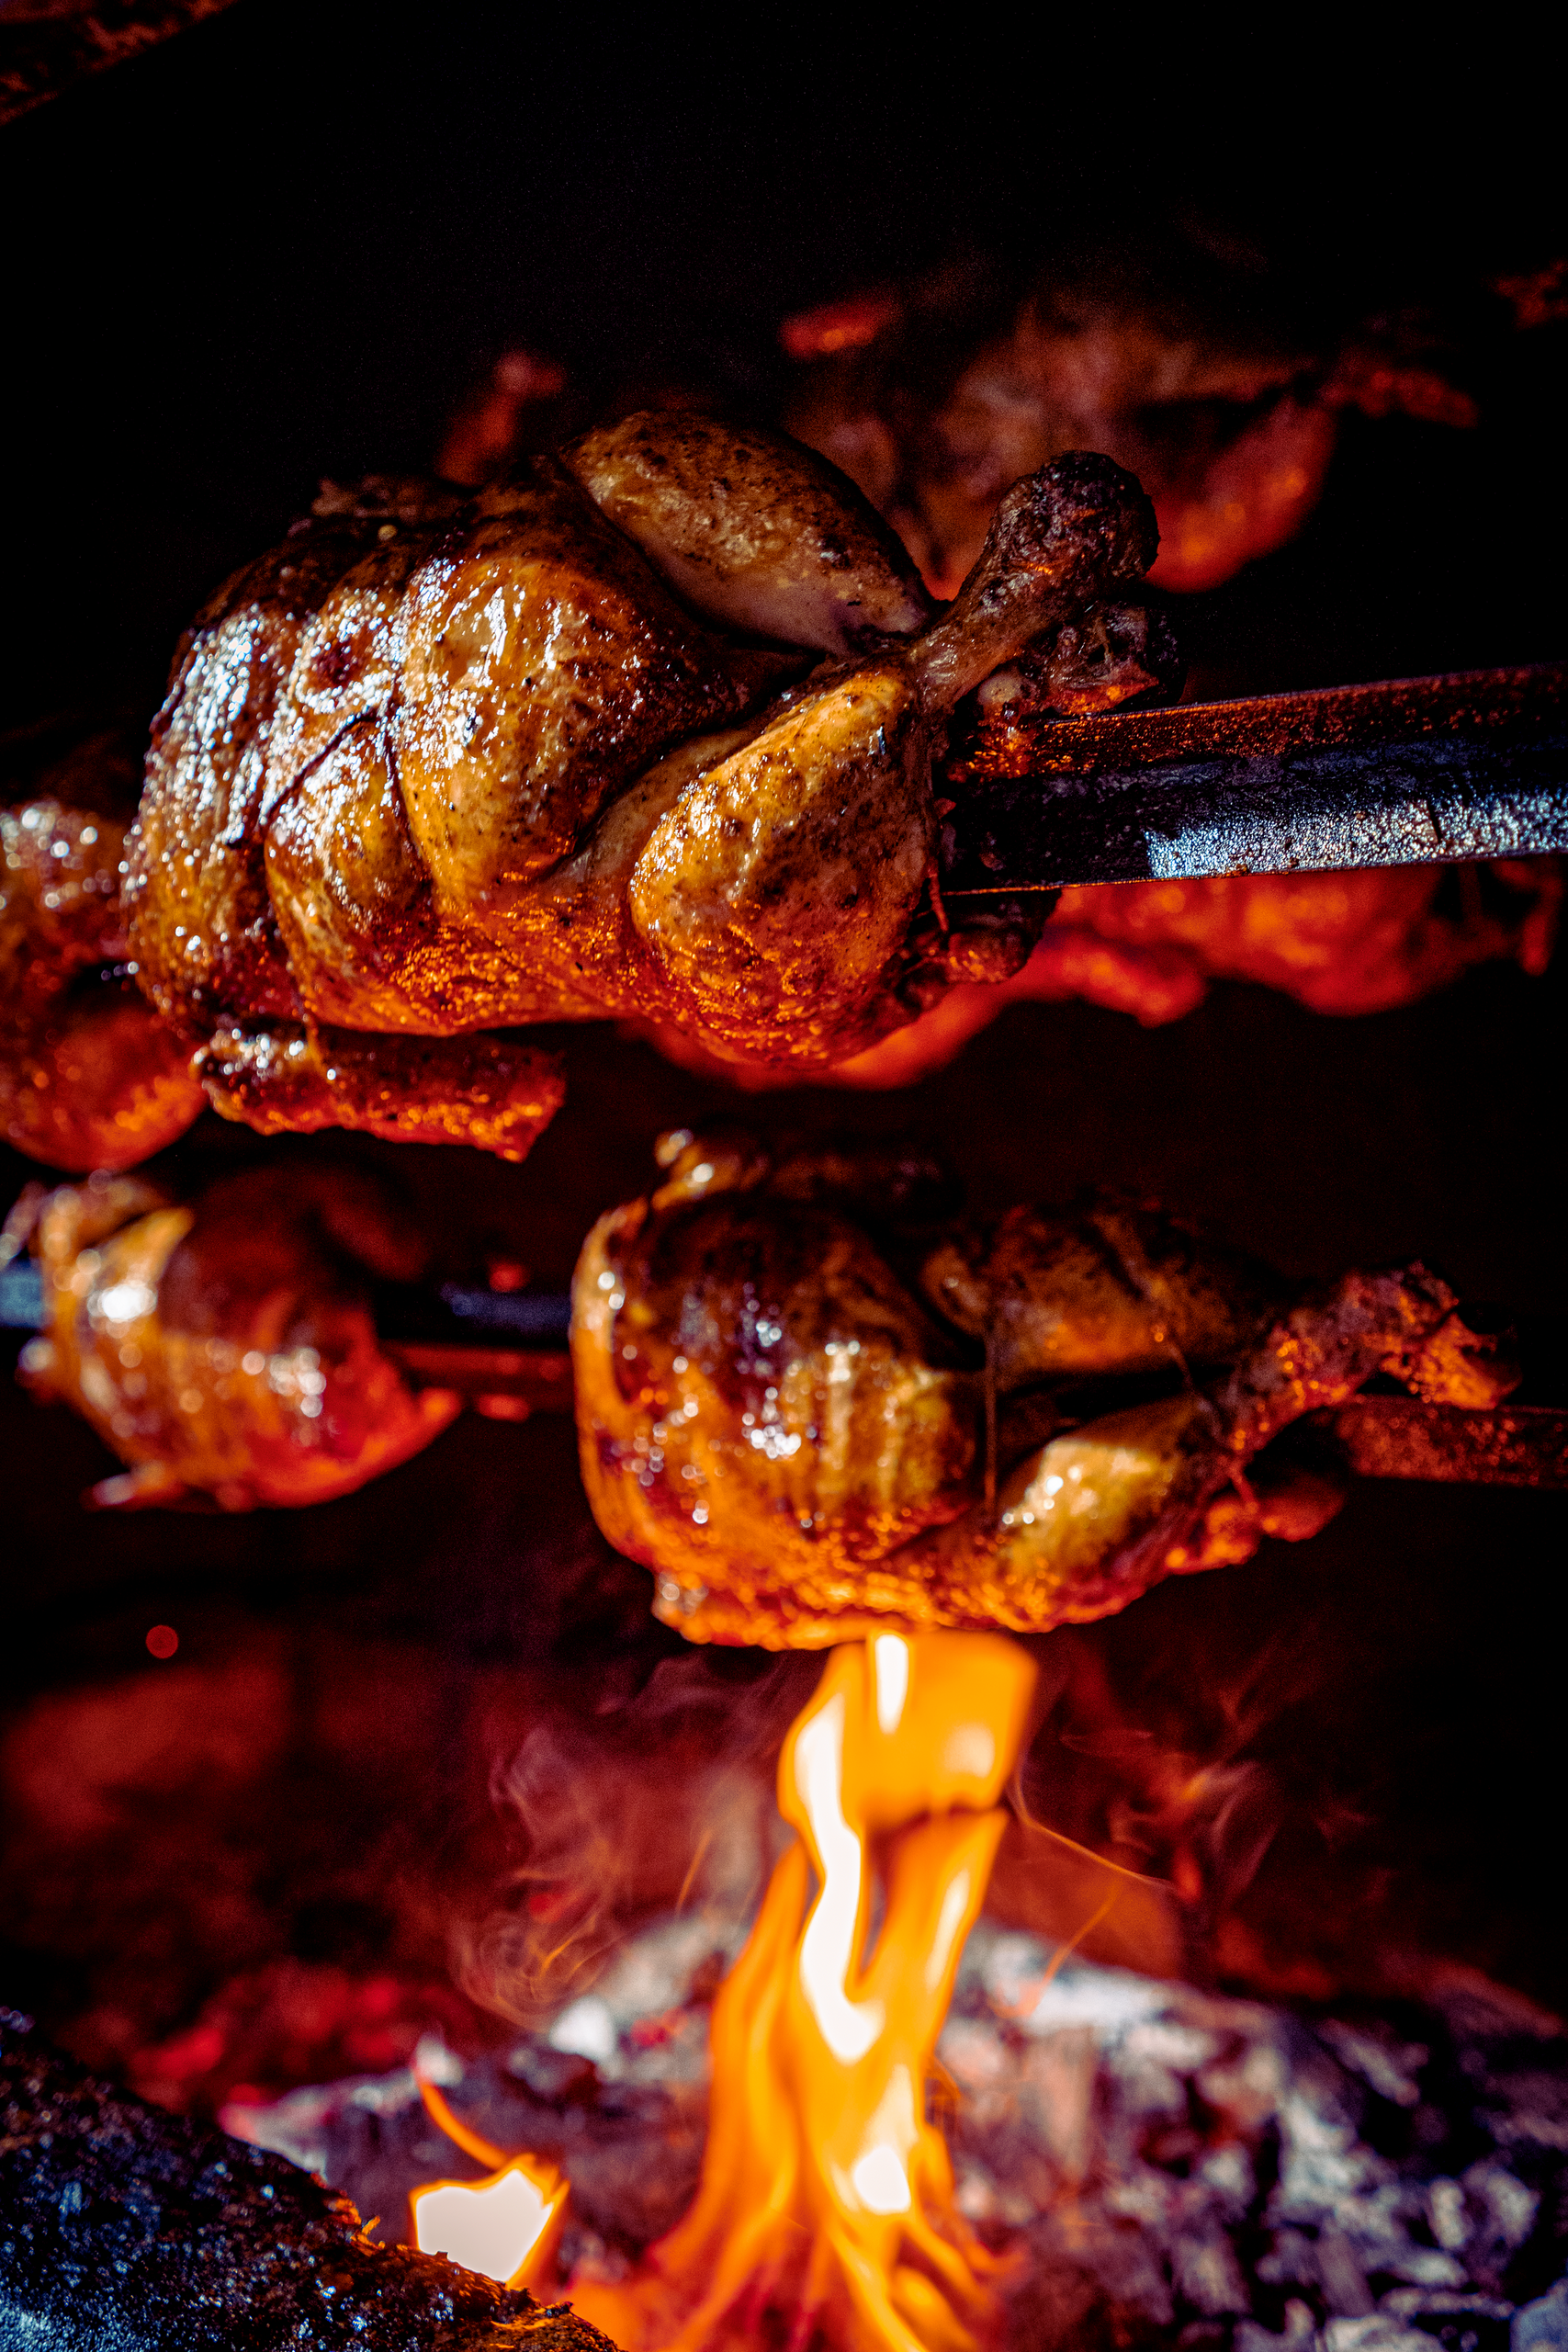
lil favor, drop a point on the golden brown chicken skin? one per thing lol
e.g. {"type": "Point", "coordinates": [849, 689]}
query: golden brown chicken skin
{"type": "Point", "coordinates": [810, 1426]}
{"type": "Point", "coordinates": [225, 1347]}
{"type": "Point", "coordinates": [89, 1076]}
{"type": "Point", "coordinates": [437, 768]}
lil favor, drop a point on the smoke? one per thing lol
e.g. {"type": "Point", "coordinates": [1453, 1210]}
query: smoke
{"type": "Point", "coordinates": [1252, 1764]}
{"type": "Point", "coordinates": [1145, 1813]}
{"type": "Point", "coordinates": [1158, 1786]}
{"type": "Point", "coordinates": [663, 1800]}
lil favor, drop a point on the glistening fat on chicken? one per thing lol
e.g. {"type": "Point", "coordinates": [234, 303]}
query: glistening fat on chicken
{"type": "Point", "coordinates": [89, 1076]}
{"type": "Point", "coordinates": [225, 1346]}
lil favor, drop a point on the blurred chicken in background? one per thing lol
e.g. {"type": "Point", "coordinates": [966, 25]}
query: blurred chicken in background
{"type": "Point", "coordinates": [1223, 385]}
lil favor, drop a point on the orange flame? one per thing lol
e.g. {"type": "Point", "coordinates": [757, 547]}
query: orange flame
{"type": "Point", "coordinates": [826, 2196]}
{"type": "Point", "coordinates": [504, 2226]}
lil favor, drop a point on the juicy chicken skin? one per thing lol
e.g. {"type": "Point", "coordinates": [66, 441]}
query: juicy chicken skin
{"type": "Point", "coordinates": [225, 1347]}
{"type": "Point", "coordinates": [811, 1427]}
{"type": "Point", "coordinates": [437, 769]}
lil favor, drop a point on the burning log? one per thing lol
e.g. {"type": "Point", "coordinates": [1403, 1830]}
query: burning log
{"type": "Point", "coordinates": [124, 2225]}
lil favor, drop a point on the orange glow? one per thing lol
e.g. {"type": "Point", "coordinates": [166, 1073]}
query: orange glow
{"type": "Point", "coordinates": [838, 326]}
{"type": "Point", "coordinates": [505, 2226]}
{"type": "Point", "coordinates": [826, 2196]}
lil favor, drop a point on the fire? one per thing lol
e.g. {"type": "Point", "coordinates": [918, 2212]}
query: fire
{"type": "Point", "coordinates": [826, 2196]}
{"type": "Point", "coordinates": [505, 2226]}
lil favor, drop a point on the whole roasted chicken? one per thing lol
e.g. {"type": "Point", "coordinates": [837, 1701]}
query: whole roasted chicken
{"type": "Point", "coordinates": [1218, 381]}
{"type": "Point", "coordinates": [642, 731]}
{"type": "Point", "coordinates": [816, 1413]}
{"type": "Point", "coordinates": [225, 1346]}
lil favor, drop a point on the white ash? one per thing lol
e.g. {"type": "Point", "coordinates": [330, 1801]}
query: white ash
{"type": "Point", "coordinates": [1165, 2163]}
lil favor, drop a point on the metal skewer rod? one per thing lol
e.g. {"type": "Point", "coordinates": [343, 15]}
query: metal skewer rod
{"type": "Point", "coordinates": [521, 1356]}
{"type": "Point", "coordinates": [1415, 771]}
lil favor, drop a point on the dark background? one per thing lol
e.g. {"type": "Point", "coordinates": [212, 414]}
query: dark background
{"type": "Point", "coordinates": [285, 246]}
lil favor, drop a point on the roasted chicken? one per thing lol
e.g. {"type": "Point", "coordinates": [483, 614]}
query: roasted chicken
{"type": "Point", "coordinates": [89, 1076]}
{"type": "Point", "coordinates": [435, 769]}
{"type": "Point", "coordinates": [1177, 356]}
{"type": "Point", "coordinates": [441, 769]}
{"type": "Point", "coordinates": [226, 1347]}
{"type": "Point", "coordinates": [1186, 361]}
{"type": "Point", "coordinates": [812, 1420]}
{"type": "Point", "coordinates": [1356, 941]}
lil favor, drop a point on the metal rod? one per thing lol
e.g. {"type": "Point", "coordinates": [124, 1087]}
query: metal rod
{"type": "Point", "coordinates": [1378, 1437]}
{"type": "Point", "coordinates": [1416, 771]}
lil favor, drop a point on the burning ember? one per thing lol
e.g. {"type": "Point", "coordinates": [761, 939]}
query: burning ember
{"type": "Point", "coordinates": [1140, 2161]}
{"type": "Point", "coordinates": [826, 2200]}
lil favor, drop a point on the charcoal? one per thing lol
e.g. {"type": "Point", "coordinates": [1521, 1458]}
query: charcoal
{"type": "Point", "coordinates": [1373, 2332]}
{"type": "Point", "coordinates": [1459, 2322]}
{"type": "Point", "coordinates": [124, 2229]}
{"type": "Point", "coordinates": [1205, 2271]}
{"type": "Point", "coordinates": [1163, 2165]}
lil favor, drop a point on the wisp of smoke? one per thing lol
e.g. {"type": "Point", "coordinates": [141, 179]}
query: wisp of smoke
{"type": "Point", "coordinates": [666, 1802]}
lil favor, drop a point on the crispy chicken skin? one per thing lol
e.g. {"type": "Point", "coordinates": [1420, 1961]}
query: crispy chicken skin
{"type": "Point", "coordinates": [225, 1347]}
{"type": "Point", "coordinates": [89, 1076]}
{"type": "Point", "coordinates": [437, 767]}
{"type": "Point", "coordinates": [811, 1425]}
{"type": "Point", "coordinates": [1109, 1289]}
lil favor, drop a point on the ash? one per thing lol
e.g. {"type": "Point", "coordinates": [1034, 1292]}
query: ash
{"type": "Point", "coordinates": [1160, 2163]}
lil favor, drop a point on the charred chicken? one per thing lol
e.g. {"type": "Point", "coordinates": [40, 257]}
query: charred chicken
{"type": "Point", "coordinates": [813, 1419]}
